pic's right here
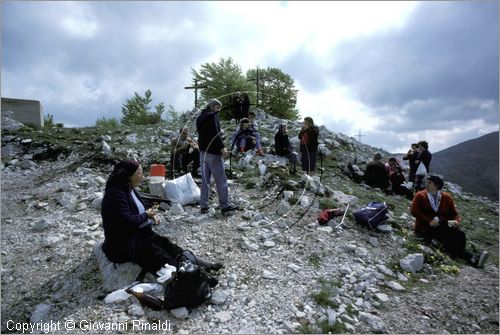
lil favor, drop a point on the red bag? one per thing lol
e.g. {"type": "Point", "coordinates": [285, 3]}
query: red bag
{"type": "Point", "coordinates": [328, 214]}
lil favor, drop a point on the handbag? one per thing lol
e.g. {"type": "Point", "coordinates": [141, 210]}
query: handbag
{"type": "Point", "coordinates": [372, 215]}
{"type": "Point", "coordinates": [189, 286]}
{"type": "Point", "coordinates": [421, 170]}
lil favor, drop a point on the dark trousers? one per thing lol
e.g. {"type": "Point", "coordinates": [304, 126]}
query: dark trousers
{"type": "Point", "coordinates": [152, 251]}
{"type": "Point", "coordinates": [452, 239]}
{"type": "Point", "coordinates": [308, 158]}
{"type": "Point", "coordinates": [180, 161]}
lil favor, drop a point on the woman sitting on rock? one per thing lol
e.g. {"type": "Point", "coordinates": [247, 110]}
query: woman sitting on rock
{"type": "Point", "coordinates": [128, 233]}
{"type": "Point", "coordinates": [244, 138]}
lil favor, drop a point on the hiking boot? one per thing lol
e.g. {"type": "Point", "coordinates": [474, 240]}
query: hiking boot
{"type": "Point", "coordinates": [483, 256]}
{"type": "Point", "coordinates": [204, 210]}
{"type": "Point", "coordinates": [228, 209]}
{"type": "Point", "coordinates": [260, 152]}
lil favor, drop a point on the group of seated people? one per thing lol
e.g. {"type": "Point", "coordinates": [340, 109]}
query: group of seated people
{"type": "Point", "coordinates": [388, 176]}
{"type": "Point", "coordinates": [184, 150]}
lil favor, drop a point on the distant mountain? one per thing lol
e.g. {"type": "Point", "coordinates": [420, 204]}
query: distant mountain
{"type": "Point", "coordinates": [471, 164]}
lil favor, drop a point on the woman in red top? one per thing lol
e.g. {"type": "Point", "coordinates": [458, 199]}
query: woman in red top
{"type": "Point", "coordinates": [437, 218]}
{"type": "Point", "coordinates": [308, 137]}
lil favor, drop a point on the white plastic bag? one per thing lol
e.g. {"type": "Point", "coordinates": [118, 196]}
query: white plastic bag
{"type": "Point", "coordinates": [421, 171]}
{"type": "Point", "coordinates": [182, 190]}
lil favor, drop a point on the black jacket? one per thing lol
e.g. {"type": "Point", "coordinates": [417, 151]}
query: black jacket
{"type": "Point", "coordinates": [121, 221]}
{"type": "Point", "coordinates": [209, 136]}
{"type": "Point", "coordinates": [376, 175]}
{"type": "Point", "coordinates": [282, 144]}
{"type": "Point", "coordinates": [425, 157]}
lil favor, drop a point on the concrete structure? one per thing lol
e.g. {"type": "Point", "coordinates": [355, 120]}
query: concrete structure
{"type": "Point", "coordinates": [29, 112]}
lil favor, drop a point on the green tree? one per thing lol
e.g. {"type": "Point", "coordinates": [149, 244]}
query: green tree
{"type": "Point", "coordinates": [136, 110]}
{"type": "Point", "coordinates": [222, 80]}
{"type": "Point", "coordinates": [48, 121]}
{"type": "Point", "coordinates": [277, 93]}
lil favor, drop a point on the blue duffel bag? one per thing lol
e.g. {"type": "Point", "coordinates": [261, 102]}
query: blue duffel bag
{"type": "Point", "coordinates": [372, 215]}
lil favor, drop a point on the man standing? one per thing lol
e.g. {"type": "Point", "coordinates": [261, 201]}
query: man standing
{"type": "Point", "coordinates": [212, 152]}
{"type": "Point", "coordinates": [425, 157]}
{"type": "Point", "coordinates": [411, 156]}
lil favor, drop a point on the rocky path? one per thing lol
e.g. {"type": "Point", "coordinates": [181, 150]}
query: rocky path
{"type": "Point", "coordinates": [276, 280]}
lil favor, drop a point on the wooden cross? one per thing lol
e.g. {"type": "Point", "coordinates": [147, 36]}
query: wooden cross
{"type": "Point", "coordinates": [359, 136]}
{"type": "Point", "coordinates": [256, 80]}
{"type": "Point", "coordinates": [195, 88]}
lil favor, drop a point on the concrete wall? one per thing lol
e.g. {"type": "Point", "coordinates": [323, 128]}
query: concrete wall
{"type": "Point", "coordinates": [29, 112]}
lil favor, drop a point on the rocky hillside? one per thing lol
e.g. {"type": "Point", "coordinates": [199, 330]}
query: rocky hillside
{"type": "Point", "coordinates": [471, 164]}
{"type": "Point", "coordinates": [283, 272]}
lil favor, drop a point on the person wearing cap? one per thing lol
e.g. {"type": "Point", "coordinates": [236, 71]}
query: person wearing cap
{"type": "Point", "coordinates": [376, 174]}
{"type": "Point", "coordinates": [212, 152]}
{"type": "Point", "coordinates": [437, 218]}
{"type": "Point", "coordinates": [128, 232]}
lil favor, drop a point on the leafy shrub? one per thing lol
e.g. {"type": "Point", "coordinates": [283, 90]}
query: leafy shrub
{"type": "Point", "coordinates": [136, 110]}
{"type": "Point", "coordinates": [107, 123]}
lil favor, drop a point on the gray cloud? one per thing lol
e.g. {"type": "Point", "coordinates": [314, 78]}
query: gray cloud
{"type": "Point", "coordinates": [109, 65]}
{"type": "Point", "coordinates": [445, 50]}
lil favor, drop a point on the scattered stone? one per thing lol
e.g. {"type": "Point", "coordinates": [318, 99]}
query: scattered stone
{"type": "Point", "coordinates": [375, 323]}
{"type": "Point", "coordinates": [218, 297]}
{"type": "Point", "coordinates": [332, 317]}
{"type": "Point", "coordinates": [269, 275]}
{"type": "Point", "coordinates": [395, 286]}
{"type": "Point", "coordinates": [223, 316]}
{"type": "Point", "coordinates": [412, 263]}
{"type": "Point", "coordinates": [40, 225]}
{"type": "Point", "coordinates": [40, 314]}
{"type": "Point", "coordinates": [116, 296]}
{"type": "Point", "coordinates": [180, 313]}
{"type": "Point", "coordinates": [384, 228]}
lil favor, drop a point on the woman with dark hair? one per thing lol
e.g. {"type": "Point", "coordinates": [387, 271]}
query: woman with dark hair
{"type": "Point", "coordinates": [244, 138]}
{"type": "Point", "coordinates": [308, 137]}
{"type": "Point", "coordinates": [436, 218]}
{"type": "Point", "coordinates": [128, 233]}
{"type": "Point", "coordinates": [397, 178]}
{"type": "Point", "coordinates": [284, 148]}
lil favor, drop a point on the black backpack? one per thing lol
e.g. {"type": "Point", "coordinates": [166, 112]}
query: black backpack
{"type": "Point", "coordinates": [189, 287]}
{"type": "Point", "coordinates": [372, 215]}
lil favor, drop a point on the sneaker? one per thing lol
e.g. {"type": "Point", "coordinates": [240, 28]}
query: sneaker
{"type": "Point", "coordinates": [228, 209]}
{"type": "Point", "coordinates": [204, 210]}
{"type": "Point", "coordinates": [483, 256]}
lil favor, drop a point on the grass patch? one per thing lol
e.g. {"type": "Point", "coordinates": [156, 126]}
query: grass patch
{"type": "Point", "coordinates": [314, 260]}
{"type": "Point", "coordinates": [327, 203]}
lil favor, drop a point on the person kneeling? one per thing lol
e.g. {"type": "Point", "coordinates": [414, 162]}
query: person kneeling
{"type": "Point", "coordinates": [437, 218]}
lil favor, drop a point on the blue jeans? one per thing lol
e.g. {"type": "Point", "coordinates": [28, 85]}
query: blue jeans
{"type": "Point", "coordinates": [213, 165]}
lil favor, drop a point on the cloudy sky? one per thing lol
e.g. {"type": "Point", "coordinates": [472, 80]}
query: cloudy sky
{"type": "Point", "coordinates": [397, 71]}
